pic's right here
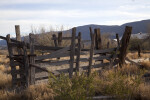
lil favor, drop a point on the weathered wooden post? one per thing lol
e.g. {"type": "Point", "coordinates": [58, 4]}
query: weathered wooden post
{"type": "Point", "coordinates": [55, 40]}
{"type": "Point", "coordinates": [17, 29]}
{"type": "Point", "coordinates": [78, 52]}
{"type": "Point", "coordinates": [91, 54]}
{"type": "Point", "coordinates": [90, 32]}
{"type": "Point", "coordinates": [59, 38]}
{"type": "Point", "coordinates": [20, 52]}
{"type": "Point", "coordinates": [26, 64]}
{"type": "Point", "coordinates": [98, 41]}
{"type": "Point", "coordinates": [124, 44]}
{"type": "Point", "coordinates": [13, 67]}
{"type": "Point", "coordinates": [72, 52]}
{"type": "Point", "coordinates": [32, 60]}
{"type": "Point", "coordinates": [117, 37]}
{"type": "Point", "coordinates": [139, 51]}
{"type": "Point", "coordinates": [18, 38]}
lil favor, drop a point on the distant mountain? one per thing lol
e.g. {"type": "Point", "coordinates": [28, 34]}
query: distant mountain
{"type": "Point", "coordinates": [138, 26]}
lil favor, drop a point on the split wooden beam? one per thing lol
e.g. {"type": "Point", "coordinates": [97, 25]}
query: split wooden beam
{"type": "Point", "coordinates": [72, 52]}
{"type": "Point", "coordinates": [91, 55]}
{"type": "Point", "coordinates": [124, 44]}
{"type": "Point", "coordinates": [32, 59]}
{"type": "Point", "coordinates": [78, 52]}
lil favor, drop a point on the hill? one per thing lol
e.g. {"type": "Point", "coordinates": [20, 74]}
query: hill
{"type": "Point", "coordinates": [138, 26]}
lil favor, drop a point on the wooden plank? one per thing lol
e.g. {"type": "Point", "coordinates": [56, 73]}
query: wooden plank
{"type": "Point", "coordinates": [72, 52]}
{"type": "Point", "coordinates": [104, 51]}
{"type": "Point", "coordinates": [32, 60]}
{"type": "Point", "coordinates": [42, 78]}
{"type": "Point", "coordinates": [45, 69]}
{"type": "Point", "coordinates": [91, 55]}
{"type": "Point", "coordinates": [57, 63]}
{"type": "Point", "coordinates": [102, 58]}
{"type": "Point", "coordinates": [84, 41]}
{"type": "Point", "coordinates": [49, 56]}
{"type": "Point", "coordinates": [12, 44]}
{"type": "Point", "coordinates": [40, 47]}
{"type": "Point", "coordinates": [95, 66]}
{"type": "Point", "coordinates": [12, 40]}
{"type": "Point", "coordinates": [59, 38]}
{"type": "Point", "coordinates": [78, 52]}
{"type": "Point", "coordinates": [53, 54]}
{"type": "Point", "coordinates": [124, 44]}
{"type": "Point", "coordinates": [56, 55]}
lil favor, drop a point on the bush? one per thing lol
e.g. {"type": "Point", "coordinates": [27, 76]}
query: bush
{"type": "Point", "coordinates": [118, 83]}
{"type": "Point", "coordinates": [134, 42]}
{"type": "Point", "coordinates": [77, 88]}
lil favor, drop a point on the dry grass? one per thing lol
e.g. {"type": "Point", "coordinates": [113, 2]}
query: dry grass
{"type": "Point", "coordinates": [135, 55]}
{"type": "Point", "coordinates": [146, 65]}
{"type": "Point", "coordinates": [3, 59]}
{"type": "Point", "coordinates": [37, 92]}
{"type": "Point", "coordinates": [2, 68]}
{"type": "Point", "coordinates": [5, 80]}
{"type": "Point", "coordinates": [110, 82]}
{"type": "Point", "coordinates": [143, 92]}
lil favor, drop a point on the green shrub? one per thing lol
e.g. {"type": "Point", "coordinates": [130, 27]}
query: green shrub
{"type": "Point", "coordinates": [114, 83]}
{"type": "Point", "coordinates": [79, 87]}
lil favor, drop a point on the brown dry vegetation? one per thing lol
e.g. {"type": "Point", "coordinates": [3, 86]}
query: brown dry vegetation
{"type": "Point", "coordinates": [135, 55]}
{"type": "Point", "coordinates": [119, 82]}
{"type": "Point", "coordinates": [146, 65]}
{"type": "Point", "coordinates": [37, 92]}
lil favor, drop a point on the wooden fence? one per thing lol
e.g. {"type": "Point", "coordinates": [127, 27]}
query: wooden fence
{"type": "Point", "coordinates": [23, 54]}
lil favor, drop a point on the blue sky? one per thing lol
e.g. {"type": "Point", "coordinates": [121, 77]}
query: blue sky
{"type": "Point", "coordinates": [69, 13]}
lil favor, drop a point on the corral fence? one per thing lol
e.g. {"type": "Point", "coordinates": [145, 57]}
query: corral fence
{"type": "Point", "coordinates": [24, 55]}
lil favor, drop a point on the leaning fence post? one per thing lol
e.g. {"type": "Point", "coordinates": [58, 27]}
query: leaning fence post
{"type": "Point", "coordinates": [78, 52]}
{"type": "Point", "coordinates": [72, 52]}
{"type": "Point", "coordinates": [91, 54]}
{"type": "Point", "coordinates": [59, 38]}
{"type": "Point", "coordinates": [124, 44]}
{"type": "Point", "coordinates": [32, 60]}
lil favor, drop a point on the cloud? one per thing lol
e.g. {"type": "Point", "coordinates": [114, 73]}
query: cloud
{"type": "Point", "coordinates": [69, 12]}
